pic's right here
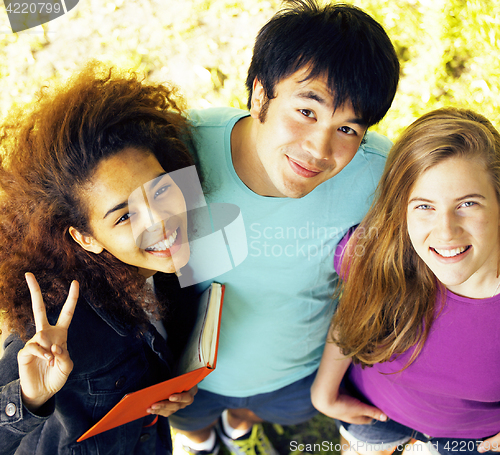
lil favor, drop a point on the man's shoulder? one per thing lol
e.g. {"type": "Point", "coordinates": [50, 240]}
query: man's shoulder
{"type": "Point", "coordinates": [376, 144]}
{"type": "Point", "coordinates": [215, 116]}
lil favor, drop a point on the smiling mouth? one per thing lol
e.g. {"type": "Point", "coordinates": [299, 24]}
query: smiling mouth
{"type": "Point", "coordinates": [451, 253]}
{"type": "Point", "coordinates": [164, 244]}
{"type": "Point", "coordinates": [302, 170]}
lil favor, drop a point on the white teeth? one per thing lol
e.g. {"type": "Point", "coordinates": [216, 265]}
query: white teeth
{"type": "Point", "coordinates": [171, 239]}
{"type": "Point", "coordinates": [450, 253]}
{"type": "Point", "coordinates": [163, 245]}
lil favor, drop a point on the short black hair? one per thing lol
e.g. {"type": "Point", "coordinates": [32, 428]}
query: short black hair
{"type": "Point", "coordinates": [339, 41]}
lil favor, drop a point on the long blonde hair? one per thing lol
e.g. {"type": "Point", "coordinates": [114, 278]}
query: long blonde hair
{"type": "Point", "coordinates": [388, 299]}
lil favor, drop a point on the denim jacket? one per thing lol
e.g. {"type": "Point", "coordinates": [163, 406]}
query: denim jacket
{"type": "Point", "coordinates": [110, 360]}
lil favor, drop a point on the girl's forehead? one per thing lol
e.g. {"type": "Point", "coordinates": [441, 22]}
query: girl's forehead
{"type": "Point", "coordinates": [117, 177]}
{"type": "Point", "coordinates": [454, 175]}
{"type": "Point", "coordinates": [129, 167]}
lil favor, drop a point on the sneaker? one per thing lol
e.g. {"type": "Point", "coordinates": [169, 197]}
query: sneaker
{"type": "Point", "coordinates": [254, 443]}
{"type": "Point", "coordinates": [181, 448]}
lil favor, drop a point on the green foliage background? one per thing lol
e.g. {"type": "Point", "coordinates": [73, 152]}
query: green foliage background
{"type": "Point", "coordinates": [449, 50]}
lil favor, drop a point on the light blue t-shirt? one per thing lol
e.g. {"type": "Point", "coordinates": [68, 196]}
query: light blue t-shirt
{"type": "Point", "coordinates": [278, 302]}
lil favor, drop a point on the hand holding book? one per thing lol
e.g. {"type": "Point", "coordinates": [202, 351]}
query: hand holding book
{"type": "Point", "coordinates": [174, 402]}
{"type": "Point", "coordinates": [198, 360]}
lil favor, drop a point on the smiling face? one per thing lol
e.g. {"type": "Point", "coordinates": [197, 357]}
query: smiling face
{"type": "Point", "coordinates": [453, 224]}
{"type": "Point", "coordinates": [302, 141]}
{"type": "Point", "coordinates": [137, 213]}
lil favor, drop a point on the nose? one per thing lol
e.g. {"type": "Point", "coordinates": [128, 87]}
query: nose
{"type": "Point", "coordinates": [153, 220]}
{"type": "Point", "coordinates": [157, 219]}
{"type": "Point", "coordinates": [148, 218]}
{"type": "Point", "coordinates": [148, 215]}
{"type": "Point", "coordinates": [146, 225]}
{"type": "Point", "coordinates": [447, 227]}
{"type": "Point", "coordinates": [320, 143]}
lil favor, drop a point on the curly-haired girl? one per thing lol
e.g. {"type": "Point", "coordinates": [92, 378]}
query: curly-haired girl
{"type": "Point", "coordinates": [70, 166]}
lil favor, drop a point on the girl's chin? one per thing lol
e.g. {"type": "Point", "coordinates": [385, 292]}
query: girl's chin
{"type": "Point", "coordinates": [170, 269]}
{"type": "Point", "coordinates": [166, 263]}
{"type": "Point", "coordinates": [178, 261]}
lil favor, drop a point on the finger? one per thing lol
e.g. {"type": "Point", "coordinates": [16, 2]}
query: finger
{"type": "Point", "coordinates": [163, 413]}
{"type": "Point", "coordinates": [491, 444]}
{"type": "Point", "coordinates": [25, 355]}
{"type": "Point", "coordinates": [378, 415]}
{"type": "Point", "coordinates": [63, 360]}
{"type": "Point", "coordinates": [371, 412]}
{"type": "Point", "coordinates": [39, 313]}
{"type": "Point", "coordinates": [185, 397]}
{"type": "Point", "coordinates": [68, 310]}
{"type": "Point", "coordinates": [57, 350]}
{"type": "Point", "coordinates": [162, 404]}
{"type": "Point", "coordinates": [164, 408]}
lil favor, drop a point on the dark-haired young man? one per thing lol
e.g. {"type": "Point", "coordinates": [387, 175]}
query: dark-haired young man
{"type": "Point", "coordinates": [319, 77]}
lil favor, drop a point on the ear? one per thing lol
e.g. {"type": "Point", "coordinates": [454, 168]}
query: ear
{"type": "Point", "coordinates": [87, 242]}
{"type": "Point", "coordinates": [258, 100]}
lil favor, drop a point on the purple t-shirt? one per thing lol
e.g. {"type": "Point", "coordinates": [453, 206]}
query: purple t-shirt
{"type": "Point", "coordinates": [452, 389]}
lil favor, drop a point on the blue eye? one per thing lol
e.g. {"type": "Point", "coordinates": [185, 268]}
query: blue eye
{"type": "Point", "coordinates": [161, 190]}
{"type": "Point", "coordinates": [468, 204]}
{"type": "Point", "coordinates": [424, 207]}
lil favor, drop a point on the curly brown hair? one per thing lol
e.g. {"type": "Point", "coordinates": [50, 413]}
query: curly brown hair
{"type": "Point", "coordinates": [48, 153]}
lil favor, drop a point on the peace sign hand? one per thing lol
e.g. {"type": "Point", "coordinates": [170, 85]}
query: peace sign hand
{"type": "Point", "coordinates": [44, 362]}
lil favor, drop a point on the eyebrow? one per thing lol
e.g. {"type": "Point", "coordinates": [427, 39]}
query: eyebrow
{"type": "Point", "coordinates": [119, 206]}
{"type": "Point", "coordinates": [124, 204]}
{"type": "Point", "coordinates": [156, 180]}
{"type": "Point", "coordinates": [458, 199]}
{"type": "Point", "coordinates": [311, 95]}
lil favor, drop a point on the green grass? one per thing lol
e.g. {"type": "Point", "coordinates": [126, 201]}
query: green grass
{"type": "Point", "coordinates": [317, 436]}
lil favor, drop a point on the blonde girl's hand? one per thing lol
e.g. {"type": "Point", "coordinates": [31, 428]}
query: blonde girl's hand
{"type": "Point", "coordinates": [327, 396]}
{"type": "Point", "coordinates": [44, 362]}
{"type": "Point", "coordinates": [349, 409]}
{"type": "Point", "coordinates": [491, 444]}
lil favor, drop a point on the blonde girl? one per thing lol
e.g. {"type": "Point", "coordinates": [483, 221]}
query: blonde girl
{"type": "Point", "coordinates": [419, 314]}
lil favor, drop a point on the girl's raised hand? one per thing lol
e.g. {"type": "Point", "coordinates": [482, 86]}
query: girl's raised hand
{"type": "Point", "coordinates": [44, 363]}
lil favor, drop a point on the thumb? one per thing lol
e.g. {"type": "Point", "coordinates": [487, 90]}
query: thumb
{"type": "Point", "coordinates": [491, 444]}
{"type": "Point", "coordinates": [62, 359]}
{"type": "Point", "coordinates": [374, 413]}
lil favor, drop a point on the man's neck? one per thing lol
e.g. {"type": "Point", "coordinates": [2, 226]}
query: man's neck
{"type": "Point", "coordinates": [245, 159]}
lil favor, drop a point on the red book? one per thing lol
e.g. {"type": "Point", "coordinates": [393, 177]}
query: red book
{"type": "Point", "coordinates": [197, 361]}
